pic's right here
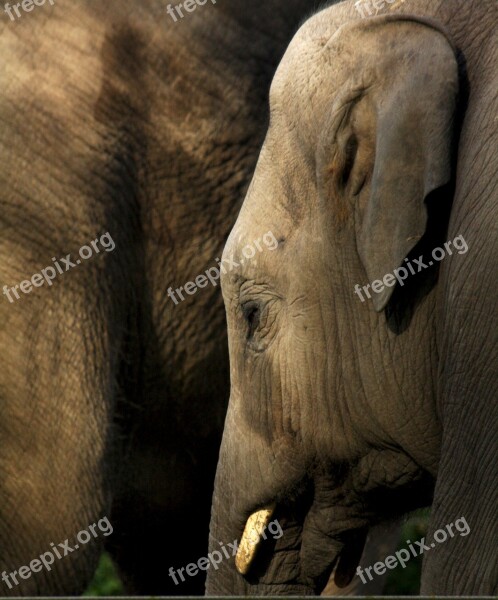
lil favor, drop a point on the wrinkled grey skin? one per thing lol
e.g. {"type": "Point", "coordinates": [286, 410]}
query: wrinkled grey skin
{"type": "Point", "coordinates": [381, 146]}
{"type": "Point", "coordinates": [112, 399]}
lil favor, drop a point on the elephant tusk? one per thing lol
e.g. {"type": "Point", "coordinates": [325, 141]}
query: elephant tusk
{"type": "Point", "coordinates": [251, 538]}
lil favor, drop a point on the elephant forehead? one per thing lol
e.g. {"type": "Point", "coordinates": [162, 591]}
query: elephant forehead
{"type": "Point", "coordinates": [314, 67]}
{"type": "Point", "coordinates": [299, 72]}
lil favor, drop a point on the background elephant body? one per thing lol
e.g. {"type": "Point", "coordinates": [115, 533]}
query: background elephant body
{"type": "Point", "coordinates": [116, 118]}
{"type": "Point", "coordinates": [343, 408]}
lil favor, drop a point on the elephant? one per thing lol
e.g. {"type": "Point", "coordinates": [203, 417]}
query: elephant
{"type": "Point", "coordinates": [363, 362]}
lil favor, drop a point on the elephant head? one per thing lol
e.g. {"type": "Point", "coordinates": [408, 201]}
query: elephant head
{"type": "Point", "coordinates": [332, 421]}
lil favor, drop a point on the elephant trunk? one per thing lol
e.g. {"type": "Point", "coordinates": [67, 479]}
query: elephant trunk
{"type": "Point", "coordinates": [264, 544]}
{"type": "Point", "coordinates": [275, 529]}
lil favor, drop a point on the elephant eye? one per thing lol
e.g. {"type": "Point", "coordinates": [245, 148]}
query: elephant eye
{"type": "Point", "coordinates": [252, 313]}
{"type": "Point", "coordinates": [350, 154]}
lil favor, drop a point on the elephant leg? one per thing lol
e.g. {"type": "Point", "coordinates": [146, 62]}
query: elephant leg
{"type": "Point", "coordinates": [162, 516]}
{"type": "Point", "coordinates": [464, 562]}
{"type": "Point", "coordinates": [56, 390]}
{"type": "Point", "coordinates": [173, 423]}
{"type": "Point", "coordinates": [464, 523]}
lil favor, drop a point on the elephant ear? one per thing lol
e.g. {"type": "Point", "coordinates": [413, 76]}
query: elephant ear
{"type": "Point", "coordinates": [414, 94]}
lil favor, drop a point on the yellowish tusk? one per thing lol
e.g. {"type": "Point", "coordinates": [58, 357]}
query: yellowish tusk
{"type": "Point", "coordinates": [251, 538]}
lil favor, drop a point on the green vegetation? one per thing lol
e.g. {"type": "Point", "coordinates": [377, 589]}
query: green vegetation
{"type": "Point", "coordinates": [106, 581]}
{"type": "Point", "coordinates": [406, 582]}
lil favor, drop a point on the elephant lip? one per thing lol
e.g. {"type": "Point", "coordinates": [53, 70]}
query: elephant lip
{"type": "Point", "coordinates": [349, 557]}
